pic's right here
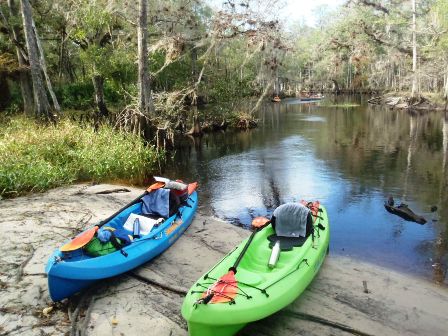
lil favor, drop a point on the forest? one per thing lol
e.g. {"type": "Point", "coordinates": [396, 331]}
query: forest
{"type": "Point", "coordinates": [79, 75]}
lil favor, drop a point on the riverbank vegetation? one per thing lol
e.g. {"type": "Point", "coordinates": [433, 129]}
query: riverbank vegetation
{"type": "Point", "coordinates": [147, 60]}
{"type": "Point", "coordinates": [150, 61]}
{"type": "Point", "coordinates": [35, 157]}
{"type": "Point", "coordinates": [377, 46]}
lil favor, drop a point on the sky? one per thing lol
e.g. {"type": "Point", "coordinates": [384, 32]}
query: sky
{"type": "Point", "coordinates": [297, 10]}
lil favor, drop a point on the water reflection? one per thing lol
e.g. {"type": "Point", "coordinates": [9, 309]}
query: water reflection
{"type": "Point", "coordinates": [349, 158]}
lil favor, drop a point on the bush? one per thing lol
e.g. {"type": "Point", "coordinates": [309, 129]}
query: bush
{"type": "Point", "coordinates": [81, 96]}
{"type": "Point", "coordinates": [76, 95]}
{"type": "Point", "coordinates": [36, 157]}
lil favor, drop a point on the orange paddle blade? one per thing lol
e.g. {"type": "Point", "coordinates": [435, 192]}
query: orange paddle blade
{"type": "Point", "coordinates": [259, 222]}
{"type": "Point", "coordinates": [155, 186]}
{"type": "Point", "coordinates": [80, 240]}
{"type": "Point", "coordinates": [223, 290]}
{"type": "Point", "coordinates": [192, 187]}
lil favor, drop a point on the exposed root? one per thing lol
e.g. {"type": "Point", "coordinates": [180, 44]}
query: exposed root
{"type": "Point", "coordinates": [176, 290]}
{"type": "Point", "coordinates": [112, 191]}
{"type": "Point", "coordinates": [80, 226]}
{"type": "Point", "coordinates": [246, 123]}
{"type": "Point", "coordinates": [24, 263]}
{"type": "Point", "coordinates": [85, 322]}
{"type": "Point", "coordinates": [317, 319]}
{"type": "Point", "coordinates": [78, 326]}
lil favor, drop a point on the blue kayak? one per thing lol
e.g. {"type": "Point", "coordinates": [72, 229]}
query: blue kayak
{"type": "Point", "coordinates": [70, 272]}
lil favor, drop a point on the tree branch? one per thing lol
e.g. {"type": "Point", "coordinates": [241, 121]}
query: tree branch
{"type": "Point", "coordinates": [375, 5]}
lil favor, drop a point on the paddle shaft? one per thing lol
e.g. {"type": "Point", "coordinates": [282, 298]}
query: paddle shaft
{"type": "Point", "coordinates": [243, 252]}
{"type": "Point", "coordinates": [135, 201]}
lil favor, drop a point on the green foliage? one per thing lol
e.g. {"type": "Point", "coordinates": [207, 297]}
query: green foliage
{"type": "Point", "coordinates": [228, 89]}
{"type": "Point", "coordinates": [175, 76]}
{"type": "Point", "coordinates": [79, 95]}
{"type": "Point", "coordinates": [37, 157]}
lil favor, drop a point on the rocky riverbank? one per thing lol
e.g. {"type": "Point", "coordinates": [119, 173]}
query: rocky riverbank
{"type": "Point", "coordinates": [346, 298]}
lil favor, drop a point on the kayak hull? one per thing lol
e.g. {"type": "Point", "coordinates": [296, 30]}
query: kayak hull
{"type": "Point", "coordinates": [214, 330]}
{"type": "Point", "coordinates": [69, 273]}
{"type": "Point", "coordinates": [268, 290]}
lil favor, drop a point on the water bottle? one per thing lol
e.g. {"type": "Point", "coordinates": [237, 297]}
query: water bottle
{"type": "Point", "coordinates": [275, 254]}
{"type": "Point", "coordinates": [136, 229]}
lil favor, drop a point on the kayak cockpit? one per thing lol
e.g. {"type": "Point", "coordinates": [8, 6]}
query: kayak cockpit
{"type": "Point", "coordinates": [116, 223]}
{"type": "Point", "coordinates": [257, 256]}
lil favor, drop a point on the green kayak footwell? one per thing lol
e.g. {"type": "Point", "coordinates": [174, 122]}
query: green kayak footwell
{"type": "Point", "coordinates": [262, 291]}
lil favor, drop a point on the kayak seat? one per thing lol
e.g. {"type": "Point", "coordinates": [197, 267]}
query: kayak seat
{"type": "Point", "coordinates": [118, 221]}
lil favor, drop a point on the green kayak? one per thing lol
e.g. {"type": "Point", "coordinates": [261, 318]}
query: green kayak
{"type": "Point", "coordinates": [260, 290]}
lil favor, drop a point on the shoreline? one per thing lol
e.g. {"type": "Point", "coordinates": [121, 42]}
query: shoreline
{"type": "Point", "coordinates": [150, 297]}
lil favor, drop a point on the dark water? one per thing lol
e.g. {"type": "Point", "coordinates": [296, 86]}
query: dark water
{"type": "Point", "coordinates": [349, 158]}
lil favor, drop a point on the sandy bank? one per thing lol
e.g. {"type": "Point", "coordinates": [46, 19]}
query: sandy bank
{"type": "Point", "coordinates": [148, 300]}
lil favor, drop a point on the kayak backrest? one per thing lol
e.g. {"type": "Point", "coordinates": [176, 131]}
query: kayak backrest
{"type": "Point", "coordinates": [292, 220]}
{"type": "Point", "coordinates": [163, 202]}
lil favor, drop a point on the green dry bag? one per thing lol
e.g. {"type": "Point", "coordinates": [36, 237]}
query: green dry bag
{"type": "Point", "coordinates": [96, 248]}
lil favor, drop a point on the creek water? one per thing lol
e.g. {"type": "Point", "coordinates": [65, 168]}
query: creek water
{"type": "Point", "coordinates": [351, 159]}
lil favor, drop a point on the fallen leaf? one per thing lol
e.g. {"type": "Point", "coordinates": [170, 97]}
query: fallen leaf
{"type": "Point", "coordinates": [46, 311]}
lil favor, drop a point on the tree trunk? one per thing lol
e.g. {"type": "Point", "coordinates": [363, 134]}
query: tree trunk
{"type": "Point", "coordinates": [144, 90]}
{"type": "Point", "coordinates": [277, 83]}
{"type": "Point", "coordinates": [43, 65]}
{"type": "Point", "coordinates": [42, 107]}
{"type": "Point", "coordinates": [414, 91]}
{"type": "Point", "coordinates": [336, 88]}
{"type": "Point", "coordinates": [98, 86]}
{"type": "Point", "coordinates": [196, 128]}
{"type": "Point", "coordinates": [65, 68]}
{"type": "Point", "coordinates": [445, 95]}
{"type": "Point", "coordinates": [24, 74]}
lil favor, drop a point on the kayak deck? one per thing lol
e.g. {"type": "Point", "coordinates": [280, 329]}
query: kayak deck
{"type": "Point", "coordinates": [261, 290]}
{"type": "Point", "coordinates": [70, 272]}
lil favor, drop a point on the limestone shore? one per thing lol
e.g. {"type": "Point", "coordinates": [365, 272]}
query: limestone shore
{"type": "Point", "coordinates": [147, 300]}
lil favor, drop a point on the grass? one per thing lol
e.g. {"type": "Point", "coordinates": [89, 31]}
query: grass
{"type": "Point", "coordinates": [35, 157]}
